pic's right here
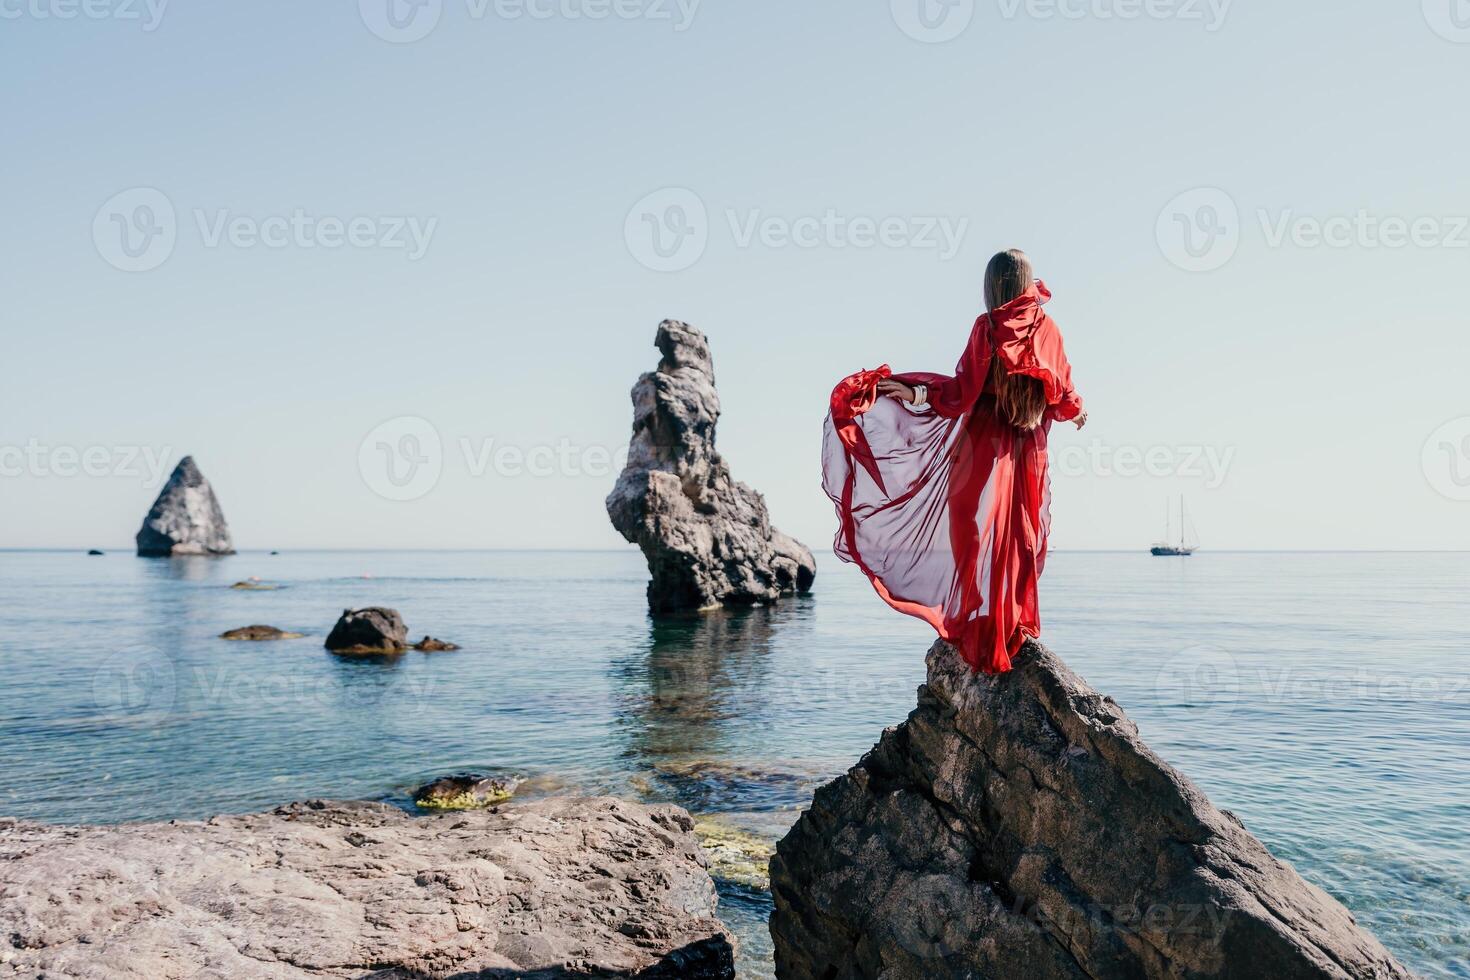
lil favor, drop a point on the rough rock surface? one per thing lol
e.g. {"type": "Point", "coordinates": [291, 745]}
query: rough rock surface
{"type": "Point", "coordinates": [1017, 827]}
{"type": "Point", "coordinates": [430, 645]}
{"type": "Point", "coordinates": [373, 630]}
{"type": "Point", "coordinates": [559, 887]}
{"type": "Point", "coordinates": [707, 538]}
{"type": "Point", "coordinates": [186, 518]}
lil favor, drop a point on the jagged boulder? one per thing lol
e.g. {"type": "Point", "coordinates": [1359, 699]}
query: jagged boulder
{"type": "Point", "coordinates": [707, 538]}
{"type": "Point", "coordinates": [1017, 827]}
{"type": "Point", "coordinates": [186, 518]}
{"type": "Point", "coordinates": [556, 888]}
{"type": "Point", "coordinates": [374, 630]}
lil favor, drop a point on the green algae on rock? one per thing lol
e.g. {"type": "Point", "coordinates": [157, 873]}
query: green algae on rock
{"type": "Point", "coordinates": [465, 792]}
{"type": "Point", "coordinates": [735, 854]}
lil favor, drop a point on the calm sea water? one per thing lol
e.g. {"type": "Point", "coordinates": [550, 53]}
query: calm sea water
{"type": "Point", "coordinates": [1325, 698]}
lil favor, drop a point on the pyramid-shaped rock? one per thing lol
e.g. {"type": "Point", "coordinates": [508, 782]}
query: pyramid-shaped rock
{"type": "Point", "coordinates": [186, 518]}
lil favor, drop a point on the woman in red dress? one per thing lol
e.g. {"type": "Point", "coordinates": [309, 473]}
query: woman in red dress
{"type": "Point", "coordinates": [941, 482]}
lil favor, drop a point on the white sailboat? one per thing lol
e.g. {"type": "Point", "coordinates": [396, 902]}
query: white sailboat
{"type": "Point", "coordinates": [1166, 548]}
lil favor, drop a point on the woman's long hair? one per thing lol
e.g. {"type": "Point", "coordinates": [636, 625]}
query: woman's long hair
{"type": "Point", "coordinates": [1020, 399]}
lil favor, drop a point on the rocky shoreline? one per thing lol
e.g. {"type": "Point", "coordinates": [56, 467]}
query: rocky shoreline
{"type": "Point", "coordinates": [552, 888]}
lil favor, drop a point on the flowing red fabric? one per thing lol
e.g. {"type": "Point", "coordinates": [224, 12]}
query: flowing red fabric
{"type": "Point", "coordinates": [946, 507]}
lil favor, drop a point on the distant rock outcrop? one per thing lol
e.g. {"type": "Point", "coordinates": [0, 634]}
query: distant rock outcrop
{"type": "Point", "coordinates": [374, 630]}
{"type": "Point", "coordinates": [186, 518]}
{"type": "Point", "coordinates": [1017, 827]}
{"type": "Point", "coordinates": [556, 888]}
{"type": "Point", "coordinates": [708, 539]}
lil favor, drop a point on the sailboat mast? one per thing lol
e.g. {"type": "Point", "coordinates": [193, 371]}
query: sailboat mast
{"type": "Point", "coordinates": [1181, 520]}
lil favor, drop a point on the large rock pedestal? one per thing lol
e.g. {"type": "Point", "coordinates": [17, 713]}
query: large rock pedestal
{"type": "Point", "coordinates": [186, 519]}
{"type": "Point", "coordinates": [708, 539]}
{"type": "Point", "coordinates": [1017, 827]}
{"type": "Point", "coordinates": [554, 888]}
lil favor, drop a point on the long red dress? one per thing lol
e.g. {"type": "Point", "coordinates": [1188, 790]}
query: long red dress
{"type": "Point", "coordinates": [946, 508]}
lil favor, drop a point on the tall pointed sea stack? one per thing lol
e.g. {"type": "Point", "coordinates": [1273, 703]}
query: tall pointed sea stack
{"type": "Point", "coordinates": [708, 539]}
{"type": "Point", "coordinates": [1017, 828]}
{"type": "Point", "coordinates": [186, 518]}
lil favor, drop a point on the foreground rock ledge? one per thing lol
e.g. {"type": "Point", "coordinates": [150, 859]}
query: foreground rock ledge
{"type": "Point", "coordinates": [1017, 827]}
{"type": "Point", "coordinates": [560, 887]}
{"type": "Point", "coordinates": [708, 539]}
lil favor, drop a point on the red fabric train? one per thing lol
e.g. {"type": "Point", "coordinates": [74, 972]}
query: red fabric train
{"type": "Point", "coordinates": [946, 507]}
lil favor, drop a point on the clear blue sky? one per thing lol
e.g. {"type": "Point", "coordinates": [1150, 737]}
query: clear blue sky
{"type": "Point", "coordinates": [1318, 372]}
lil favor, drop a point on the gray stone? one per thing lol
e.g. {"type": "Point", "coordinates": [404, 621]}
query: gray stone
{"type": "Point", "coordinates": [1016, 827]}
{"type": "Point", "coordinates": [707, 538]}
{"type": "Point", "coordinates": [374, 630]}
{"type": "Point", "coordinates": [186, 518]}
{"type": "Point", "coordinates": [555, 888]}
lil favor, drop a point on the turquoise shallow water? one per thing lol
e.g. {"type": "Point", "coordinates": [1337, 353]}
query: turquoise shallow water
{"type": "Point", "coordinates": [1325, 698]}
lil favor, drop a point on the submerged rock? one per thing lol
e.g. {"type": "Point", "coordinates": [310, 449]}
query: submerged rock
{"type": "Point", "coordinates": [1017, 827]}
{"type": "Point", "coordinates": [254, 585]}
{"type": "Point", "coordinates": [259, 634]}
{"type": "Point", "coordinates": [374, 630]}
{"type": "Point", "coordinates": [186, 518]}
{"type": "Point", "coordinates": [430, 645]}
{"type": "Point", "coordinates": [467, 792]}
{"type": "Point", "coordinates": [735, 854]}
{"type": "Point", "coordinates": [314, 890]}
{"type": "Point", "coordinates": [707, 538]}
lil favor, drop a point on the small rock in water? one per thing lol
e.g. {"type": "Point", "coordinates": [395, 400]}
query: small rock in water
{"type": "Point", "coordinates": [259, 633]}
{"type": "Point", "coordinates": [94, 551]}
{"type": "Point", "coordinates": [374, 630]}
{"type": "Point", "coordinates": [465, 792]}
{"type": "Point", "coordinates": [430, 645]}
{"type": "Point", "coordinates": [254, 585]}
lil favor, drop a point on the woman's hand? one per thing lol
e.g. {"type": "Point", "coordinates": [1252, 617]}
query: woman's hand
{"type": "Point", "coordinates": [896, 389]}
{"type": "Point", "coordinates": [1080, 420]}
